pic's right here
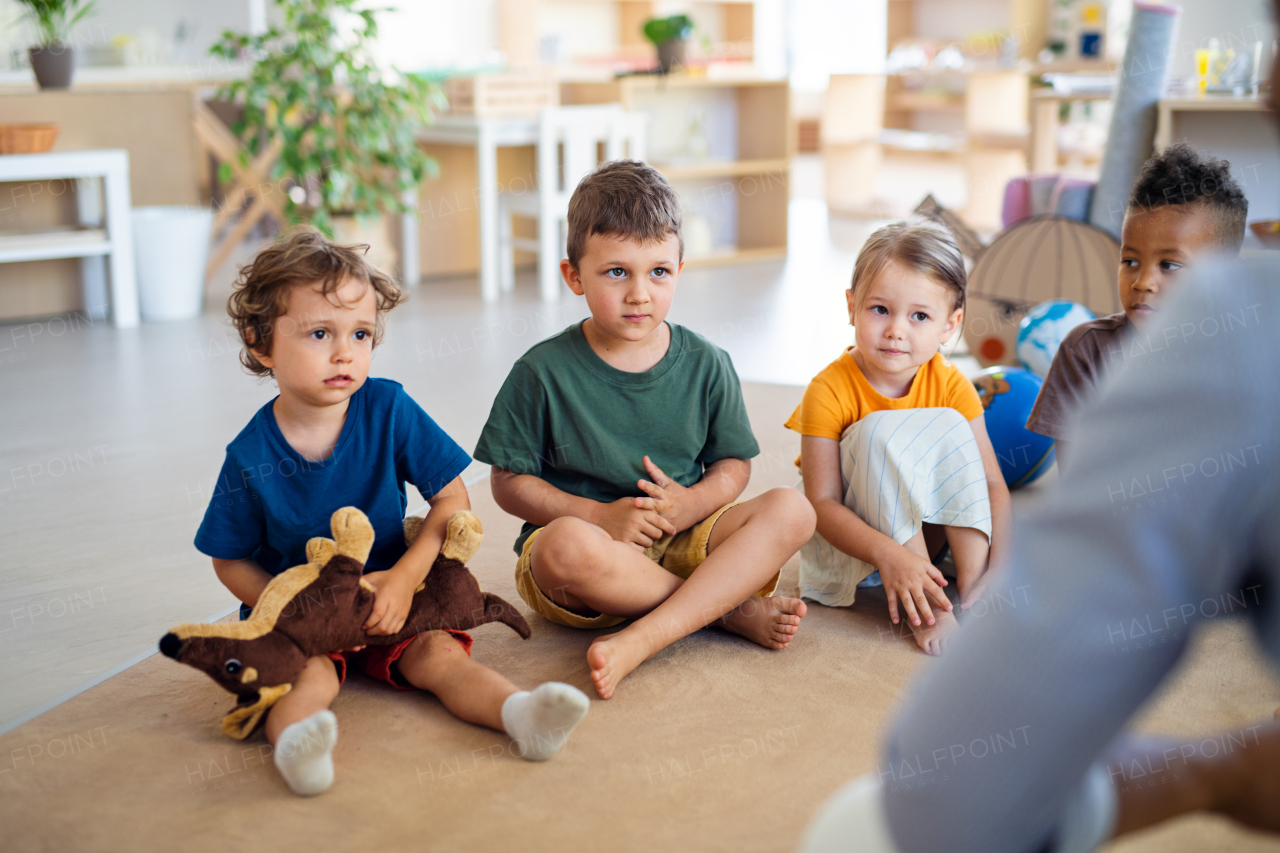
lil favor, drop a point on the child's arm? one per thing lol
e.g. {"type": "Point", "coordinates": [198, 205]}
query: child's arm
{"type": "Point", "coordinates": [907, 576]}
{"type": "Point", "coordinates": [722, 481]}
{"type": "Point", "coordinates": [538, 502]}
{"type": "Point", "coordinates": [245, 578]}
{"type": "Point", "coordinates": [1001, 505]}
{"type": "Point", "coordinates": [394, 587]}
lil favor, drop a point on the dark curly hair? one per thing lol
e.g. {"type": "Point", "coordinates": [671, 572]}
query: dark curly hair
{"type": "Point", "coordinates": [1182, 175]}
{"type": "Point", "coordinates": [302, 256]}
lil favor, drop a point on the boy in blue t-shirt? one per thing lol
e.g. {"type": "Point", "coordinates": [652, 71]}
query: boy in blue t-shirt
{"type": "Point", "coordinates": [309, 314]}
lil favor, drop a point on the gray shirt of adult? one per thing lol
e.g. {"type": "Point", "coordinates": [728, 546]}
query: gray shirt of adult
{"type": "Point", "coordinates": [1169, 516]}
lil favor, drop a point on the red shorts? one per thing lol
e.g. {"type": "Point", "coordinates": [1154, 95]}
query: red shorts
{"type": "Point", "coordinates": [378, 661]}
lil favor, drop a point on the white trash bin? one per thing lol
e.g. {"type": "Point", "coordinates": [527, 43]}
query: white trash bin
{"type": "Point", "coordinates": [171, 249]}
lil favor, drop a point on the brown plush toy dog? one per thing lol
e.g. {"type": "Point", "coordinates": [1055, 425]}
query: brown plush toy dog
{"type": "Point", "coordinates": [320, 607]}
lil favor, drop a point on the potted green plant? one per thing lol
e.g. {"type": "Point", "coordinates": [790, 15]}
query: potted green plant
{"type": "Point", "coordinates": [53, 59]}
{"type": "Point", "coordinates": [669, 35]}
{"type": "Point", "coordinates": [345, 125]}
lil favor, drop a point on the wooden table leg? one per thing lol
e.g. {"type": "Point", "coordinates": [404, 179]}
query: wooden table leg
{"type": "Point", "coordinates": [487, 175]}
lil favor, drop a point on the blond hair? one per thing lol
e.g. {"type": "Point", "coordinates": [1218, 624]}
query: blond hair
{"type": "Point", "coordinates": [302, 256]}
{"type": "Point", "coordinates": [922, 245]}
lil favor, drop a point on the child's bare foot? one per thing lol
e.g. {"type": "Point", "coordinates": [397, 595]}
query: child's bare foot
{"type": "Point", "coordinates": [771, 622]}
{"type": "Point", "coordinates": [613, 657]}
{"type": "Point", "coordinates": [933, 639]}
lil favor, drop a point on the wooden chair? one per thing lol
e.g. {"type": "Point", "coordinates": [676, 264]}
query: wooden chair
{"type": "Point", "coordinates": [250, 185]}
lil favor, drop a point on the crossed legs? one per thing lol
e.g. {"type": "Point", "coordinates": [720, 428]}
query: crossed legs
{"type": "Point", "coordinates": [585, 571]}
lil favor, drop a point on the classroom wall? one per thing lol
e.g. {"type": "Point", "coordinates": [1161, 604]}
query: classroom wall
{"type": "Point", "coordinates": [201, 20]}
{"type": "Point", "coordinates": [827, 37]}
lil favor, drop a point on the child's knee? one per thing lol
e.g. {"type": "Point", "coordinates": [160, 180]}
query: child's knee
{"type": "Point", "coordinates": [792, 513]}
{"type": "Point", "coordinates": [430, 652]}
{"type": "Point", "coordinates": [319, 675]}
{"type": "Point", "coordinates": [566, 548]}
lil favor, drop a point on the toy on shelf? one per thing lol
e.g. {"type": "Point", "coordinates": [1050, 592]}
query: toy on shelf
{"type": "Point", "coordinates": [1044, 329]}
{"type": "Point", "coordinates": [1007, 395]}
{"type": "Point", "coordinates": [321, 606]}
{"type": "Point", "coordinates": [1077, 29]}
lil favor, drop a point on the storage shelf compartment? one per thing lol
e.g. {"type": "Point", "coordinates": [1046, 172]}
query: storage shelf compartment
{"type": "Point", "coordinates": [724, 169]}
{"type": "Point", "coordinates": [48, 244]}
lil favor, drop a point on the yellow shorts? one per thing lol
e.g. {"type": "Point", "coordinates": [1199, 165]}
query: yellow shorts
{"type": "Point", "coordinates": [679, 554]}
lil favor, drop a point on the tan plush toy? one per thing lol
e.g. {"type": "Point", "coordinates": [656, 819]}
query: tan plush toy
{"type": "Point", "coordinates": [321, 607]}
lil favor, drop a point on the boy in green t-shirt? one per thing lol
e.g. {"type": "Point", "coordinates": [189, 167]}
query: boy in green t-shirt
{"type": "Point", "coordinates": [623, 442]}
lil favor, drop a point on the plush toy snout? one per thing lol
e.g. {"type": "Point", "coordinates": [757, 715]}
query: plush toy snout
{"type": "Point", "coordinates": [170, 645]}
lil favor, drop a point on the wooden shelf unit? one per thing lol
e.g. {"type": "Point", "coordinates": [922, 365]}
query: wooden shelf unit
{"type": "Point", "coordinates": [743, 197]}
{"type": "Point", "coordinates": [992, 145]}
{"type": "Point", "coordinates": [1028, 20]}
{"type": "Point", "coordinates": [734, 24]}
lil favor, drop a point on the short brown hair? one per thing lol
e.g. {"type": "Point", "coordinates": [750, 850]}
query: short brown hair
{"type": "Point", "coordinates": [923, 245]}
{"type": "Point", "coordinates": [302, 256]}
{"type": "Point", "coordinates": [623, 198]}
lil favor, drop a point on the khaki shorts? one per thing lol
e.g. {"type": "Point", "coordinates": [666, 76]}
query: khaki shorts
{"type": "Point", "coordinates": [679, 554]}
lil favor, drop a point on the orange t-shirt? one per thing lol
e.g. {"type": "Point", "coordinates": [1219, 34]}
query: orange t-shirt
{"type": "Point", "coordinates": [840, 396]}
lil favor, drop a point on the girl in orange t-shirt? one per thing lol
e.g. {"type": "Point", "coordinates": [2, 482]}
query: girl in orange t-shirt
{"type": "Point", "coordinates": [894, 451]}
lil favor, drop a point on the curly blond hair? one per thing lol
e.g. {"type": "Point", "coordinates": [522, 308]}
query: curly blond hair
{"type": "Point", "coordinates": [302, 256]}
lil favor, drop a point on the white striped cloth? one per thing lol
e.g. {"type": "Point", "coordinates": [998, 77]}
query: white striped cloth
{"type": "Point", "coordinates": [899, 468]}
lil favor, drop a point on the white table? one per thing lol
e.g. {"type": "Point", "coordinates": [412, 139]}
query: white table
{"type": "Point", "coordinates": [104, 230]}
{"type": "Point", "coordinates": [486, 135]}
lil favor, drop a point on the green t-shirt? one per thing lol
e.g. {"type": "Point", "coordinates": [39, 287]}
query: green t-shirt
{"type": "Point", "coordinates": [568, 417]}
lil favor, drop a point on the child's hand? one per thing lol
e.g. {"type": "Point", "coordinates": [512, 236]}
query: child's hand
{"type": "Point", "coordinates": [912, 580]}
{"type": "Point", "coordinates": [666, 497]}
{"type": "Point", "coordinates": [393, 597]}
{"type": "Point", "coordinates": [626, 522]}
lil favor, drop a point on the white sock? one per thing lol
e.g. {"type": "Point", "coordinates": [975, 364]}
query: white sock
{"type": "Point", "coordinates": [304, 753]}
{"type": "Point", "coordinates": [541, 720]}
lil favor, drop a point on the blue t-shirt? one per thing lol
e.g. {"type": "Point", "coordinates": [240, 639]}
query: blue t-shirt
{"type": "Point", "coordinates": [268, 500]}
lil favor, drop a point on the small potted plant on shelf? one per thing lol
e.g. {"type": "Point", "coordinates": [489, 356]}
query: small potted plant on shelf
{"type": "Point", "coordinates": [345, 126]}
{"type": "Point", "coordinates": [53, 59]}
{"type": "Point", "coordinates": [669, 35]}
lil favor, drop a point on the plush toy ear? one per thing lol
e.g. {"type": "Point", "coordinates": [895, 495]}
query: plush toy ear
{"type": "Point", "coordinates": [352, 533]}
{"type": "Point", "coordinates": [241, 722]}
{"type": "Point", "coordinates": [320, 549]}
{"type": "Point", "coordinates": [412, 527]}
{"type": "Point", "coordinates": [462, 537]}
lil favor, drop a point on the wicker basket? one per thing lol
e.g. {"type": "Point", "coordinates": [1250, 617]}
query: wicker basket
{"type": "Point", "coordinates": [27, 138]}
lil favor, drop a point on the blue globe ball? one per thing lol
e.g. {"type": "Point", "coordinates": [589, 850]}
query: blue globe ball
{"type": "Point", "coordinates": [1042, 331]}
{"type": "Point", "coordinates": [1007, 395]}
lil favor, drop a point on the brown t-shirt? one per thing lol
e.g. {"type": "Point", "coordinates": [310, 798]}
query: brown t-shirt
{"type": "Point", "coordinates": [1075, 372]}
